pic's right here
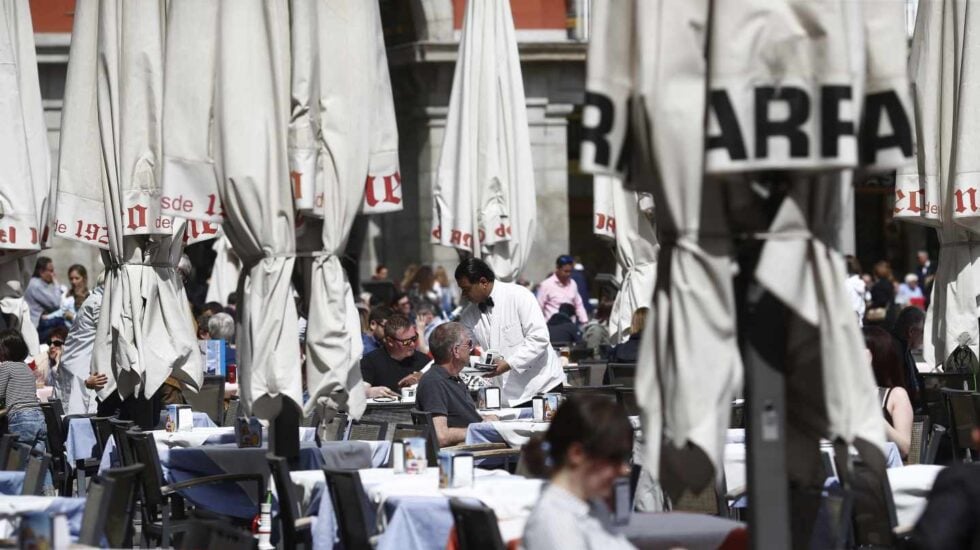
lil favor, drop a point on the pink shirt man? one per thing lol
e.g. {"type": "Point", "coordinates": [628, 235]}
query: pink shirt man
{"type": "Point", "coordinates": [552, 293]}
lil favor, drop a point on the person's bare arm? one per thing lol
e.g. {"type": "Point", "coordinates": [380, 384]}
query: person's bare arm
{"type": "Point", "coordinates": [447, 436]}
{"type": "Point", "coordinates": [378, 391]}
{"type": "Point", "coordinates": [900, 430]}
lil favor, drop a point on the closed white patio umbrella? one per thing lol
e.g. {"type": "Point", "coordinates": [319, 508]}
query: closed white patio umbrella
{"type": "Point", "coordinates": [940, 189]}
{"type": "Point", "coordinates": [342, 138]}
{"type": "Point", "coordinates": [483, 190]}
{"type": "Point", "coordinates": [109, 176]}
{"type": "Point", "coordinates": [25, 171]}
{"type": "Point", "coordinates": [227, 83]}
{"type": "Point", "coordinates": [224, 274]}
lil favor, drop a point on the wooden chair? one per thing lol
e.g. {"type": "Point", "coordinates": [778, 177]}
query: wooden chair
{"type": "Point", "coordinates": [34, 474]}
{"type": "Point", "coordinates": [476, 525]}
{"type": "Point", "coordinates": [119, 525]}
{"type": "Point", "coordinates": [348, 498]}
{"type": "Point", "coordinates": [160, 503]}
{"type": "Point", "coordinates": [366, 430]}
{"type": "Point", "coordinates": [96, 512]}
{"type": "Point", "coordinates": [295, 529]}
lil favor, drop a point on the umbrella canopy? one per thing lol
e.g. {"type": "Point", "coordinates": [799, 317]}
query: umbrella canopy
{"type": "Point", "coordinates": [625, 216]}
{"type": "Point", "coordinates": [940, 188]}
{"type": "Point", "coordinates": [25, 171]}
{"type": "Point", "coordinates": [483, 191]}
{"type": "Point", "coordinates": [227, 76]}
{"type": "Point", "coordinates": [109, 176]}
{"type": "Point", "coordinates": [796, 94]}
{"type": "Point", "coordinates": [343, 140]}
{"type": "Point", "coordinates": [224, 274]}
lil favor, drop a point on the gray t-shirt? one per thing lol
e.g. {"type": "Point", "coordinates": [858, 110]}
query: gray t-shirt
{"type": "Point", "coordinates": [17, 386]}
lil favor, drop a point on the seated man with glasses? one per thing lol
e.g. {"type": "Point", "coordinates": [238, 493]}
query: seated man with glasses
{"type": "Point", "coordinates": [396, 364]}
{"type": "Point", "coordinates": [442, 392]}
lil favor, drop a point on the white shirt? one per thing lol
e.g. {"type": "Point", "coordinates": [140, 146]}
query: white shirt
{"type": "Point", "coordinates": [562, 520]}
{"type": "Point", "coordinates": [856, 291]}
{"type": "Point", "coordinates": [515, 328]}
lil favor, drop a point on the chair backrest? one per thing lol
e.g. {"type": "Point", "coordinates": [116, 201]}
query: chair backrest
{"type": "Point", "coordinates": [710, 500]}
{"type": "Point", "coordinates": [390, 413]}
{"type": "Point", "coordinates": [737, 417]}
{"type": "Point", "coordinates": [623, 374]}
{"type": "Point", "coordinates": [874, 510]}
{"type": "Point", "coordinates": [366, 430]}
{"type": "Point", "coordinates": [231, 413]}
{"type": "Point", "coordinates": [214, 535]}
{"type": "Point", "coordinates": [122, 505]}
{"type": "Point", "coordinates": [119, 429]}
{"type": "Point", "coordinates": [58, 407]}
{"type": "Point", "coordinates": [348, 498]}
{"type": "Point", "coordinates": [17, 459]}
{"type": "Point", "coordinates": [288, 501]}
{"type": "Point", "coordinates": [102, 429]}
{"type": "Point", "coordinates": [476, 525]}
{"type": "Point", "coordinates": [608, 392]}
{"type": "Point", "coordinates": [403, 431]}
{"type": "Point", "coordinates": [96, 512]}
{"type": "Point", "coordinates": [424, 418]}
{"type": "Point", "coordinates": [334, 429]}
{"type": "Point", "coordinates": [963, 418]}
{"type": "Point", "coordinates": [145, 451]}
{"type": "Point", "coordinates": [56, 439]}
{"type": "Point", "coordinates": [210, 399]}
{"type": "Point", "coordinates": [532, 462]}
{"type": "Point", "coordinates": [577, 376]}
{"type": "Point", "coordinates": [7, 443]}
{"type": "Point", "coordinates": [37, 468]}
{"type": "Point", "coordinates": [936, 436]}
{"type": "Point", "coordinates": [917, 447]}
{"type": "Point", "coordinates": [627, 398]}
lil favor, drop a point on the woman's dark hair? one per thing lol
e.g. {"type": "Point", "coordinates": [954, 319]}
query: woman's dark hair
{"type": "Point", "coordinates": [80, 269]}
{"type": "Point", "coordinates": [58, 333]}
{"type": "Point", "coordinates": [12, 346]}
{"type": "Point", "coordinates": [474, 269]}
{"type": "Point", "coordinates": [424, 279]}
{"type": "Point", "coordinates": [598, 424]}
{"type": "Point", "coordinates": [41, 264]}
{"type": "Point", "coordinates": [853, 265]}
{"type": "Point", "coordinates": [884, 357]}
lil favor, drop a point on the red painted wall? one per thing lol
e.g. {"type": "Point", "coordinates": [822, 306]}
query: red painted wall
{"type": "Point", "coordinates": [52, 15]}
{"type": "Point", "coordinates": [528, 14]}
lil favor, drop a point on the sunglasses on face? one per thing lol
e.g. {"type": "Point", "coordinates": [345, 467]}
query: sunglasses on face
{"type": "Point", "coordinates": [406, 341]}
{"type": "Point", "coordinates": [57, 343]}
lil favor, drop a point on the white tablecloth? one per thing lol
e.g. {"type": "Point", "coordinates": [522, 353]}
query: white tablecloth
{"type": "Point", "coordinates": [910, 487]}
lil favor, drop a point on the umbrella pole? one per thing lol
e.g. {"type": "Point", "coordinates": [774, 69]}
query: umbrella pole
{"type": "Point", "coordinates": [284, 431]}
{"type": "Point", "coordinates": [762, 335]}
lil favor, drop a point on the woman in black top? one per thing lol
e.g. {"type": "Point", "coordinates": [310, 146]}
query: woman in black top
{"type": "Point", "coordinates": [895, 404]}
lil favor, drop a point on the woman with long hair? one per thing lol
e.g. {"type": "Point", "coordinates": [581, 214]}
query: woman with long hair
{"type": "Point", "coordinates": [447, 299]}
{"type": "Point", "coordinates": [890, 377]}
{"type": "Point", "coordinates": [77, 291]}
{"type": "Point", "coordinates": [19, 392]}
{"type": "Point", "coordinates": [588, 447]}
{"type": "Point", "coordinates": [423, 289]}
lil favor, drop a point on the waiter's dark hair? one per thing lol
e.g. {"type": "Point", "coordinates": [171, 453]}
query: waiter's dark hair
{"type": "Point", "coordinates": [599, 425]}
{"type": "Point", "coordinates": [473, 269]}
{"type": "Point", "coordinates": [12, 346]}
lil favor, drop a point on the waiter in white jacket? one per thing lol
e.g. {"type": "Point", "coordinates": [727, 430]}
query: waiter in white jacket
{"type": "Point", "coordinates": [505, 318]}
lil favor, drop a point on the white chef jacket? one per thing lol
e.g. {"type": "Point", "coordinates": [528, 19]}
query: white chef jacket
{"type": "Point", "coordinates": [76, 359]}
{"type": "Point", "coordinates": [515, 328]}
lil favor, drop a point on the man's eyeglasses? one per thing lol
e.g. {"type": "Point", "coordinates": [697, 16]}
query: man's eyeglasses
{"type": "Point", "coordinates": [406, 341]}
{"type": "Point", "coordinates": [467, 344]}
